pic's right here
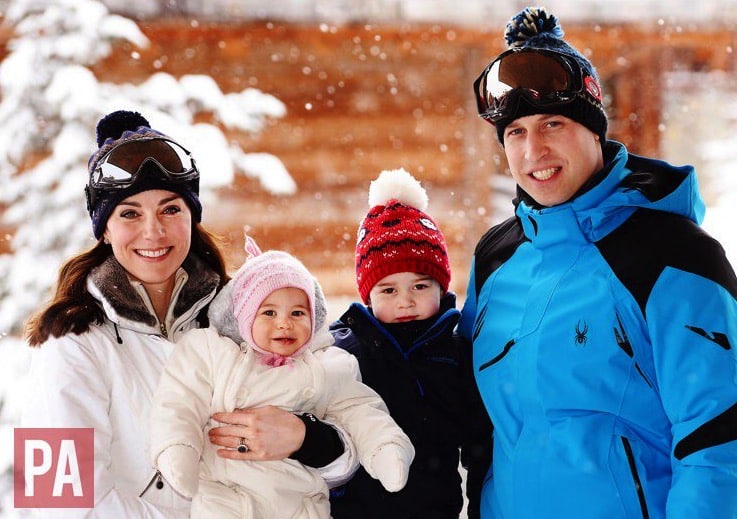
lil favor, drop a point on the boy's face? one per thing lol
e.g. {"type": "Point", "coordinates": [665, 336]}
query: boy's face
{"type": "Point", "coordinates": [282, 324]}
{"type": "Point", "coordinates": [405, 296]}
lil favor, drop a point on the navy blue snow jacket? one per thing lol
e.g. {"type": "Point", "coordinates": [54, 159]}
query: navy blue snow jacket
{"type": "Point", "coordinates": [423, 373]}
{"type": "Point", "coordinates": [604, 333]}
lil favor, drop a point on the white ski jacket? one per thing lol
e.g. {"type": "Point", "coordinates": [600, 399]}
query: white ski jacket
{"type": "Point", "coordinates": [105, 379]}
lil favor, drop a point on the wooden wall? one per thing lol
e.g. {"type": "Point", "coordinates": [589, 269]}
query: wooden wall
{"type": "Point", "coordinates": [362, 98]}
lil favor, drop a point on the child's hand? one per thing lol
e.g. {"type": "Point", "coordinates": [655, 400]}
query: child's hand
{"type": "Point", "coordinates": [180, 467]}
{"type": "Point", "coordinates": [390, 465]}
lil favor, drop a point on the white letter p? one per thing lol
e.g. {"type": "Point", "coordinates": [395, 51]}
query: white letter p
{"type": "Point", "coordinates": [36, 470]}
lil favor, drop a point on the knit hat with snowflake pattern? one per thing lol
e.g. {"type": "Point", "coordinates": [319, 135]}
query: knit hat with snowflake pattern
{"type": "Point", "coordinates": [397, 236]}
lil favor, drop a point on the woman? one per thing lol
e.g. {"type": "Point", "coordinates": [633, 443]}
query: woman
{"type": "Point", "coordinates": [117, 310]}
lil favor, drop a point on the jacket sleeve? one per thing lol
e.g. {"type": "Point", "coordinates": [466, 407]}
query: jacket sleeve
{"type": "Point", "coordinates": [181, 405]}
{"type": "Point", "coordinates": [69, 389]}
{"type": "Point", "coordinates": [340, 470]}
{"type": "Point", "coordinates": [692, 321]}
{"type": "Point", "coordinates": [358, 409]}
{"type": "Point", "coordinates": [494, 248]}
{"type": "Point", "coordinates": [468, 312]}
{"type": "Point", "coordinates": [476, 447]}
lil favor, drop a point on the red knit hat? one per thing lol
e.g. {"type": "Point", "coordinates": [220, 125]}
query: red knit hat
{"type": "Point", "coordinates": [397, 236]}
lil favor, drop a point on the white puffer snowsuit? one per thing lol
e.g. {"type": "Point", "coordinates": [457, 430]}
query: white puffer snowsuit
{"type": "Point", "coordinates": [208, 373]}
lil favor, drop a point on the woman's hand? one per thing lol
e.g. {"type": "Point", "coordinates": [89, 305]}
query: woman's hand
{"type": "Point", "coordinates": [269, 433]}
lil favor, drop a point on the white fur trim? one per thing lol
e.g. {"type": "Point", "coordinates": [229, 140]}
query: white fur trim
{"type": "Point", "coordinates": [397, 184]}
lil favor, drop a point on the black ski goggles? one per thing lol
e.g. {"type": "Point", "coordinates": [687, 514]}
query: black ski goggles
{"type": "Point", "coordinates": [544, 78]}
{"type": "Point", "coordinates": [121, 167]}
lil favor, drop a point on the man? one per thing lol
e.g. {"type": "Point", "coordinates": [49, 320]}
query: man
{"type": "Point", "coordinates": [603, 317]}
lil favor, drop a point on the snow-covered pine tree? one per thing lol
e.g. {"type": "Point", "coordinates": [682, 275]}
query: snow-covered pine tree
{"type": "Point", "coordinates": [50, 102]}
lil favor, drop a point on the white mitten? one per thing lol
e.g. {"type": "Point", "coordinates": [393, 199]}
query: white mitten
{"type": "Point", "coordinates": [180, 467]}
{"type": "Point", "coordinates": [390, 465]}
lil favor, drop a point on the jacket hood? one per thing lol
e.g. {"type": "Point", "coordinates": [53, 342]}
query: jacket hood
{"type": "Point", "coordinates": [626, 183]}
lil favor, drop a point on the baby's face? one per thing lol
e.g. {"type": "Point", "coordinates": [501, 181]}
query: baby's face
{"type": "Point", "coordinates": [405, 296]}
{"type": "Point", "coordinates": [282, 324]}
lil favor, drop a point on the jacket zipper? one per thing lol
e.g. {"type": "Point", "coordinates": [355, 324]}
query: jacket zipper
{"type": "Point", "coordinates": [156, 479]}
{"type": "Point", "coordinates": [635, 476]}
{"type": "Point", "coordinates": [162, 326]}
{"type": "Point", "coordinates": [499, 357]}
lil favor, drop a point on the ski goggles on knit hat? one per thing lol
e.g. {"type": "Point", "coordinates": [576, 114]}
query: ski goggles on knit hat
{"type": "Point", "coordinates": [123, 164]}
{"type": "Point", "coordinates": [545, 79]}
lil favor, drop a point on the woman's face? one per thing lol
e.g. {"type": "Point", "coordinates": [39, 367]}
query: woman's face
{"type": "Point", "coordinates": [150, 234]}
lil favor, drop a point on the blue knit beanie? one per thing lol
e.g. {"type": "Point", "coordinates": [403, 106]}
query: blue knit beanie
{"type": "Point", "coordinates": [533, 28]}
{"type": "Point", "coordinates": [125, 126]}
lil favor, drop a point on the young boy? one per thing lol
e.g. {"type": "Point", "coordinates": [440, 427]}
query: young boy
{"type": "Point", "coordinates": [281, 355]}
{"type": "Point", "coordinates": [407, 352]}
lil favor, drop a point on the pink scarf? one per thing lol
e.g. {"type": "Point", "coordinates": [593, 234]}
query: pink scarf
{"type": "Point", "coordinates": [274, 360]}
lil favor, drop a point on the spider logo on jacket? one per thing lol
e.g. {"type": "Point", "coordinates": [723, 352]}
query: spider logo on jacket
{"type": "Point", "coordinates": [581, 330]}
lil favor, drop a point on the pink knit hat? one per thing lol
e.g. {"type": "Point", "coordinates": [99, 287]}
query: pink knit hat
{"type": "Point", "coordinates": [260, 275]}
{"type": "Point", "coordinates": [397, 236]}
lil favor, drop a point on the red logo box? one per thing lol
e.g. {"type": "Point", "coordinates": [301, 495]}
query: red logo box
{"type": "Point", "coordinates": [54, 468]}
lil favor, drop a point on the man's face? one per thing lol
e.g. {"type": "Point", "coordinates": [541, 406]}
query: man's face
{"type": "Point", "coordinates": [551, 156]}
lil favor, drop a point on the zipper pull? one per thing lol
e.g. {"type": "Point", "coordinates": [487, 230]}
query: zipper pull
{"type": "Point", "coordinates": [158, 483]}
{"type": "Point", "coordinates": [163, 330]}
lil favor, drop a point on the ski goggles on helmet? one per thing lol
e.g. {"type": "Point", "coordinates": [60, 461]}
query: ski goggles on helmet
{"type": "Point", "coordinates": [544, 78]}
{"type": "Point", "coordinates": [123, 165]}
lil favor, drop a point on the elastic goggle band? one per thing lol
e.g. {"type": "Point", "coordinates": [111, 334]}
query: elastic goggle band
{"type": "Point", "coordinates": [544, 78]}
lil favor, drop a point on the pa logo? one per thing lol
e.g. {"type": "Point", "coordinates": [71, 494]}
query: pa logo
{"type": "Point", "coordinates": [53, 468]}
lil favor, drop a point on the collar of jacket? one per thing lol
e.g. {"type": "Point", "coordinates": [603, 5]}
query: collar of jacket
{"type": "Point", "coordinates": [626, 183]}
{"type": "Point", "coordinates": [115, 289]}
{"type": "Point", "coordinates": [446, 319]}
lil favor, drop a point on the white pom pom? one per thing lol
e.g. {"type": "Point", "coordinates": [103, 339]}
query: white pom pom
{"type": "Point", "coordinates": [400, 185]}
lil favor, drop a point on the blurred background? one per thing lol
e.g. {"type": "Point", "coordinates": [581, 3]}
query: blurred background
{"type": "Point", "coordinates": [292, 107]}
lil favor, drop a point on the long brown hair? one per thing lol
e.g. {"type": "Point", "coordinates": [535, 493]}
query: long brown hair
{"type": "Point", "coordinates": [73, 309]}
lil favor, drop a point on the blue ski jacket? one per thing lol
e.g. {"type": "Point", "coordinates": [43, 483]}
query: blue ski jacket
{"type": "Point", "coordinates": [603, 333]}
